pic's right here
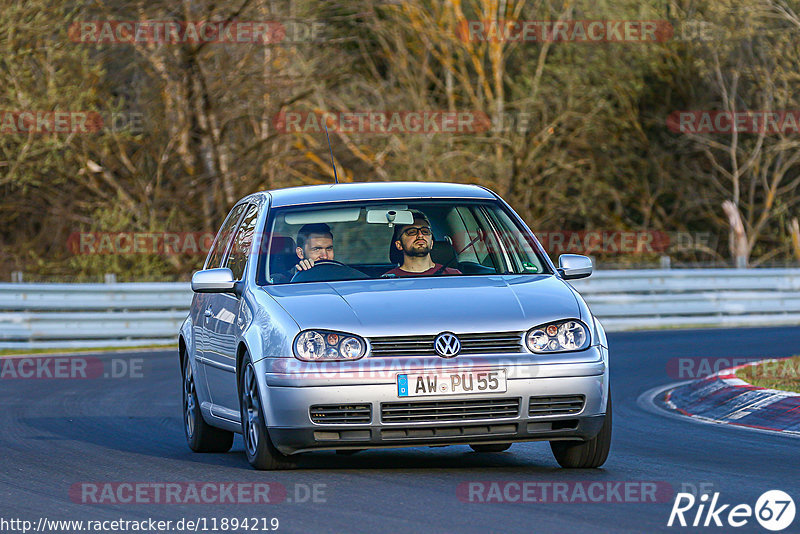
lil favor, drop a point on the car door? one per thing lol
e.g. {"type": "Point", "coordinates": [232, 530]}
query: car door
{"type": "Point", "coordinates": [203, 303]}
{"type": "Point", "coordinates": [223, 323]}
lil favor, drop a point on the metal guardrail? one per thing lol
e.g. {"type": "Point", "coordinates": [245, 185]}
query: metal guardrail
{"type": "Point", "coordinates": [131, 314]}
{"type": "Point", "coordinates": [693, 298]}
{"type": "Point", "coordinates": [91, 315]}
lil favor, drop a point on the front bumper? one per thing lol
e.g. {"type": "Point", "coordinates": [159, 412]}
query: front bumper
{"type": "Point", "coordinates": [294, 440]}
{"type": "Point", "coordinates": [292, 429]}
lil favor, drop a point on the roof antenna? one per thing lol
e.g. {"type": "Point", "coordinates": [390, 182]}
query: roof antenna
{"type": "Point", "coordinates": [335, 176]}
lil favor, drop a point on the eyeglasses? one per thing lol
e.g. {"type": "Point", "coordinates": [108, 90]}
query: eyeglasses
{"type": "Point", "coordinates": [425, 231]}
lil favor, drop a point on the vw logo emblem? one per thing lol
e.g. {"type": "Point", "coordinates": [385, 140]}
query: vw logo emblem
{"type": "Point", "coordinates": [447, 345]}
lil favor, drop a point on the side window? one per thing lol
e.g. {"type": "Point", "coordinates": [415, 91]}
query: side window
{"type": "Point", "coordinates": [237, 257]}
{"type": "Point", "coordinates": [518, 244]}
{"type": "Point", "coordinates": [223, 237]}
{"type": "Point", "coordinates": [465, 231]}
{"type": "Point", "coordinates": [485, 249]}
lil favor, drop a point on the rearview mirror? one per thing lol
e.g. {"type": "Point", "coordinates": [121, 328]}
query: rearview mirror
{"type": "Point", "coordinates": [574, 266]}
{"type": "Point", "coordinates": [378, 216]}
{"type": "Point", "coordinates": [213, 281]}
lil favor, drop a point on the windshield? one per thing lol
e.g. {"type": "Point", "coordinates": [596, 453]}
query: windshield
{"type": "Point", "coordinates": [374, 240]}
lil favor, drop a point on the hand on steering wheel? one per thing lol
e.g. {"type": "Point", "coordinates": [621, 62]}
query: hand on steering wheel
{"type": "Point", "coordinates": [331, 270]}
{"type": "Point", "coordinates": [333, 262]}
{"type": "Point", "coordinates": [307, 264]}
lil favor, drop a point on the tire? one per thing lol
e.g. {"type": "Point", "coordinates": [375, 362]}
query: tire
{"type": "Point", "coordinates": [200, 436]}
{"type": "Point", "coordinates": [258, 447]}
{"type": "Point", "coordinates": [490, 447]}
{"type": "Point", "coordinates": [585, 454]}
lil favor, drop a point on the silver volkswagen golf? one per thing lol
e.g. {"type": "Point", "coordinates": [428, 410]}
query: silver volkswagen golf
{"type": "Point", "coordinates": [355, 316]}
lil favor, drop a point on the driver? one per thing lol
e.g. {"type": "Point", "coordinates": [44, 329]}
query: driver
{"type": "Point", "coordinates": [314, 243]}
{"type": "Point", "coordinates": [416, 242]}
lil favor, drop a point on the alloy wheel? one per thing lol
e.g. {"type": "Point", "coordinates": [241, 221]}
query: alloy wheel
{"type": "Point", "coordinates": [252, 410]}
{"type": "Point", "coordinates": [189, 401]}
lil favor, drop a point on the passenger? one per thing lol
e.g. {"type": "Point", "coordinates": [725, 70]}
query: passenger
{"type": "Point", "coordinates": [416, 242]}
{"type": "Point", "coordinates": [314, 243]}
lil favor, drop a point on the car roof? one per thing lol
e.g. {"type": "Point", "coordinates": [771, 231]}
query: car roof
{"type": "Point", "coordinates": [314, 194]}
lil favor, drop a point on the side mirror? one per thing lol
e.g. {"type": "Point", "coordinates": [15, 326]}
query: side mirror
{"type": "Point", "coordinates": [213, 281]}
{"type": "Point", "coordinates": [574, 266]}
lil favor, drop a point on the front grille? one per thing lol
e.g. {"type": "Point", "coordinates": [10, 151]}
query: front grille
{"type": "Point", "coordinates": [447, 432]}
{"type": "Point", "coordinates": [560, 405]}
{"type": "Point", "coordinates": [455, 411]}
{"type": "Point", "coordinates": [341, 413]}
{"type": "Point", "coordinates": [485, 343]}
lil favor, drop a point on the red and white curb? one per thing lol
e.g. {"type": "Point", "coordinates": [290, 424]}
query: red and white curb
{"type": "Point", "coordinates": [723, 398]}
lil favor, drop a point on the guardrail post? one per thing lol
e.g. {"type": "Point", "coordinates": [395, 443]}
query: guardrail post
{"type": "Point", "coordinates": [665, 262]}
{"type": "Point", "coordinates": [110, 278]}
{"type": "Point", "coordinates": [16, 277]}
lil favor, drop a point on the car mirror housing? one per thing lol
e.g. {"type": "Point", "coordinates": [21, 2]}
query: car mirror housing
{"type": "Point", "coordinates": [390, 216]}
{"type": "Point", "coordinates": [574, 266]}
{"type": "Point", "coordinates": [213, 281]}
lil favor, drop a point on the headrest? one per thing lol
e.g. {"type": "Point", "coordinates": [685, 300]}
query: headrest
{"type": "Point", "coordinates": [282, 255]}
{"type": "Point", "coordinates": [443, 253]}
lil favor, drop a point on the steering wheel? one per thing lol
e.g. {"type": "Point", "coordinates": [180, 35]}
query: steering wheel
{"type": "Point", "coordinates": [328, 271]}
{"type": "Point", "coordinates": [329, 262]}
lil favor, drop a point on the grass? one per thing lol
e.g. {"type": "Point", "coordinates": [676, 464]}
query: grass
{"type": "Point", "coordinates": [67, 350]}
{"type": "Point", "coordinates": [781, 374]}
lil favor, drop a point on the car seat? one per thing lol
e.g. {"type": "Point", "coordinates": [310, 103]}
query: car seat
{"type": "Point", "coordinates": [282, 258]}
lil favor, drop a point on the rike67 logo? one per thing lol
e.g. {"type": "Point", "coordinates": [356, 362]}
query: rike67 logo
{"type": "Point", "coordinates": [774, 510]}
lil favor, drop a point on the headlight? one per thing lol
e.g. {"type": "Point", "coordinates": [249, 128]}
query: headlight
{"type": "Point", "coordinates": [322, 345]}
{"type": "Point", "coordinates": [558, 337]}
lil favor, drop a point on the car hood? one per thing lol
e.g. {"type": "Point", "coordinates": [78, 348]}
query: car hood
{"type": "Point", "coordinates": [427, 306]}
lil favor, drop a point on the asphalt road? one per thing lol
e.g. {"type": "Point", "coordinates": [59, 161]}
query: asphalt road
{"type": "Point", "coordinates": [56, 433]}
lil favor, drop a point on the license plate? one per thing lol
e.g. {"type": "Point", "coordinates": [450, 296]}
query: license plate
{"type": "Point", "coordinates": [468, 382]}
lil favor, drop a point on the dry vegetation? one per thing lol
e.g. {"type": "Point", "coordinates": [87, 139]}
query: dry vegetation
{"type": "Point", "coordinates": [589, 149]}
{"type": "Point", "coordinates": [781, 374]}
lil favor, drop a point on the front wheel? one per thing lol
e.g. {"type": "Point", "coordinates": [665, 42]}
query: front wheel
{"type": "Point", "coordinates": [586, 454]}
{"type": "Point", "coordinates": [258, 447]}
{"type": "Point", "coordinates": [200, 436]}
